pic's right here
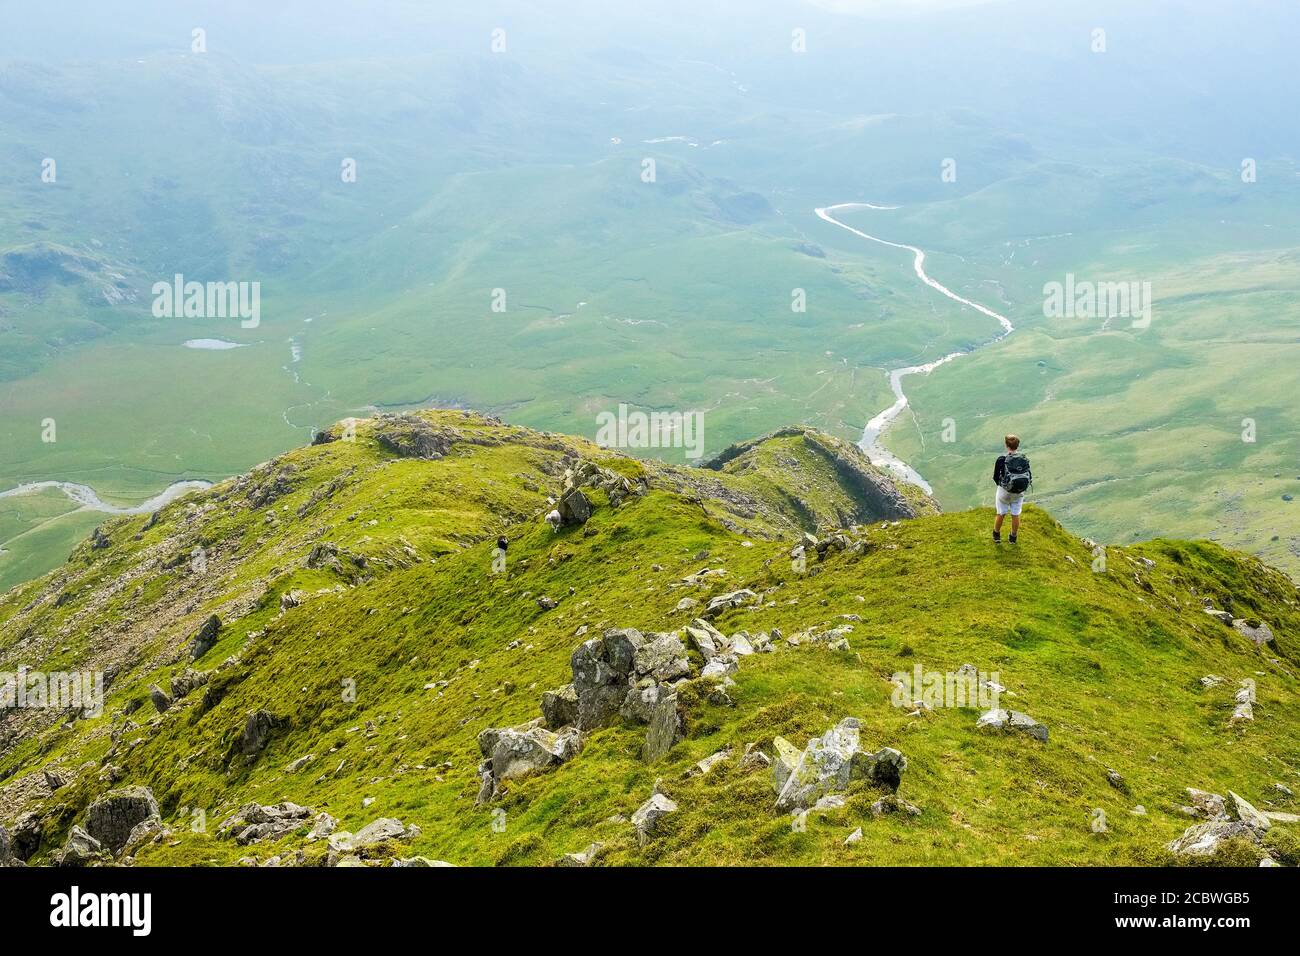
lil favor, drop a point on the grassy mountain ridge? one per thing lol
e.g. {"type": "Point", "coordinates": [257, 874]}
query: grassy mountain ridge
{"type": "Point", "coordinates": [360, 613]}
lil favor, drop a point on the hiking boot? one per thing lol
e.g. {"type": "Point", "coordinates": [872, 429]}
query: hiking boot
{"type": "Point", "coordinates": [1012, 539]}
{"type": "Point", "coordinates": [997, 537]}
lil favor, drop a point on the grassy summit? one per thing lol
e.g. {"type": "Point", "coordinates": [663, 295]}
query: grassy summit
{"type": "Point", "coordinates": [361, 616]}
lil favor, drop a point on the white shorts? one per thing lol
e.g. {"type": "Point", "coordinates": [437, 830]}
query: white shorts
{"type": "Point", "coordinates": [1007, 502]}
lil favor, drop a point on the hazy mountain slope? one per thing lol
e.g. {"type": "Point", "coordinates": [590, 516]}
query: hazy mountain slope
{"type": "Point", "coordinates": [355, 567]}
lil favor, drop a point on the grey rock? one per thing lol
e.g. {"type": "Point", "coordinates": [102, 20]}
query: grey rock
{"type": "Point", "coordinates": [205, 638]}
{"type": "Point", "coordinates": [894, 804]}
{"type": "Point", "coordinates": [584, 858]}
{"type": "Point", "coordinates": [187, 682]}
{"type": "Point", "coordinates": [827, 765]}
{"type": "Point", "coordinates": [649, 814]}
{"type": "Point", "coordinates": [640, 703]}
{"type": "Point", "coordinates": [259, 726]}
{"type": "Point", "coordinates": [666, 728]}
{"type": "Point", "coordinates": [1204, 839]}
{"type": "Point", "coordinates": [560, 707]}
{"type": "Point", "coordinates": [733, 599]}
{"type": "Point", "coordinates": [1259, 632]}
{"type": "Point", "coordinates": [514, 752]}
{"type": "Point", "coordinates": [113, 817]}
{"type": "Point", "coordinates": [81, 849]}
{"type": "Point", "coordinates": [663, 657]}
{"type": "Point", "coordinates": [1211, 806]}
{"type": "Point", "coordinates": [1223, 616]}
{"type": "Point", "coordinates": [160, 698]}
{"type": "Point", "coordinates": [1242, 810]}
{"type": "Point", "coordinates": [574, 507]}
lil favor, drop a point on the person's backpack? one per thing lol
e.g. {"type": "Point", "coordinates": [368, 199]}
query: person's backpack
{"type": "Point", "coordinates": [1016, 476]}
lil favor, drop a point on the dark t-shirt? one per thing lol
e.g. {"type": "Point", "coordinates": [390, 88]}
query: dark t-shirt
{"type": "Point", "coordinates": [999, 467]}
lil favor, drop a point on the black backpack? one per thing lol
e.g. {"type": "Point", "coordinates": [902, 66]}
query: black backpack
{"type": "Point", "coordinates": [1016, 476]}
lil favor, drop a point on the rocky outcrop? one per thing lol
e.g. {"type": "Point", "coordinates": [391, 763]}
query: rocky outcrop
{"type": "Point", "coordinates": [877, 496]}
{"type": "Point", "coordinates": [828, 764]}
{"type": "Point", "coordinates": [113, 817]}
{"type": "Point", "coordinates": [410, 436]}
{"type": "Point", "coordinates": [259, 726]}
{"type": "Point", "coordinates": [560, 707]}
{"type": "Point", "coordinates": [1257, 631]}
{"type": "Point", "coordinates": [253, 823]}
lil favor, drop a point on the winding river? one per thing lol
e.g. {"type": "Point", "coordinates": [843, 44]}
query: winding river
{"type": "Point", "coordinates": [871, 434]}
{"type": "Point", "coordinates": [87, 499]}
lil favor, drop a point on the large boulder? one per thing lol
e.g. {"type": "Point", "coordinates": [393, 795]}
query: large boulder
{"type": "Point", "coordinates": [205, 638]}
{"type": "Point", "coordinates": [160, 698]}
{"type": "Point", "coordinates": [574, 507]}
{"type": "Point", "coordinates": [517, 751]}
{"type": "Point", "coordinates": [1205, 839]}
{"type": "Point", "coordinates": [602, 674]}
{"type": "Point", "coordinates": [828, 763]}
{"type": "Point", "coordinates": [112, 817]}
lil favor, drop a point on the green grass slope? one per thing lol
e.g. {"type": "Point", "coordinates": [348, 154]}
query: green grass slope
{"type": "Point", "coordinates": [399, 645]}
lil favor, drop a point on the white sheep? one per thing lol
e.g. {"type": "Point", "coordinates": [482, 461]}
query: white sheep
{"type": "Point", "coordinates": [554, 520]}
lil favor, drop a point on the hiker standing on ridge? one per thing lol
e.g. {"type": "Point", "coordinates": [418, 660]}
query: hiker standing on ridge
{"type": "Point", "coordinates": [1012, 476]}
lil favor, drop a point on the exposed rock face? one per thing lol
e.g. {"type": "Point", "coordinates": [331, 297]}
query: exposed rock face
{"type": "Point", "coordinates": [410, 436]}
{"type": "Point", "coordinates": [27, 835]}
{"type": "Point", "coordinates": [113, 817]}
{"type": "Point", "coordinates": [345, 847]}
{"type": "Point", "coordinates": [205, 638]}
{"type": "Point", "coordinates": [187, 682]}
{"type": "Point", "coordinates": [725, 602]}
{"type": "Point", "coordinates": [661, 656]}
{"type": "Point", "coordinates": [7, 857]}
{"type": "Point", "coordinates": [259, 725]}
{"type": "Point", "coordinates": [1204, 839]}
{"type": "Point", "coordinates": [99, 540]}
{"type": "Point", "coordinates": [827, 765]}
